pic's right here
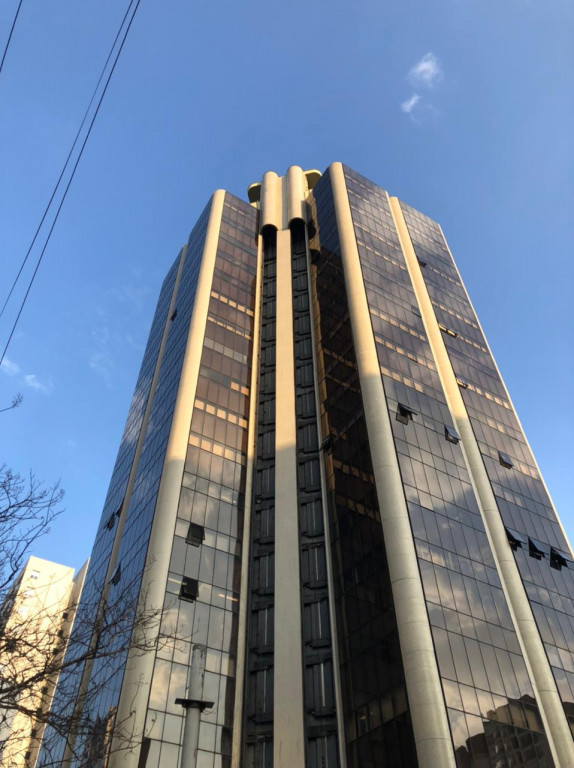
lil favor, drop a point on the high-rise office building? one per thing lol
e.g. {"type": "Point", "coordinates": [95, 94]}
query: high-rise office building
{"type": "Point", "coordinates": [323, 481]}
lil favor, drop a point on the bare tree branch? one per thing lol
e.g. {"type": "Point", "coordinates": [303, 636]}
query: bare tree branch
{"type": "Point", "coordinates": [27, 509]}
{"type": "Point", "coordinates": [43, 642]}
{"type": "Point", "coordinates": [16, 402]}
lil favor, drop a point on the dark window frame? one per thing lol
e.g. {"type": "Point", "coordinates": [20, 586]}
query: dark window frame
{"type": "Point", "coordinates": [195, 534]}
{"type": "Point", "coordinates": [505, 460]}
{"type": "Point", "coordinates": [451, 434]}
{"type": "Point", "coordinates": [404, 413]}
{"type": "Point", "coordinates": [516, 540]}
{"type": "Point", "coordinates": [538, 549]}
{"type": "Point", "coordinates": [189, 589]}
{"type": "Point", "coordinates": [560, 559]}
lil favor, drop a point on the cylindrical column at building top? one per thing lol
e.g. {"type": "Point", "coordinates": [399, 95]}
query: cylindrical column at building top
{"type": "Point", "coordinates": [296, 193]}
{"type": "Point", "coordinates": [271, 201]}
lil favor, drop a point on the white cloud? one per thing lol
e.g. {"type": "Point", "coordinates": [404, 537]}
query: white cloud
{"type": "Point", "coordinates": [101, 360]}
{"type": "Point", "coordinates": [10, 368]}
{"type": "Point", "coordinates": [31, 380]}
{"type": "Point", "coordinates": [426, 73]}
{"type": "Point", "coordinates": [408, 105]}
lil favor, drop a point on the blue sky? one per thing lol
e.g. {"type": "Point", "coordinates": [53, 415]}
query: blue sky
{"type": "Point", "coordinates": [464, 109]}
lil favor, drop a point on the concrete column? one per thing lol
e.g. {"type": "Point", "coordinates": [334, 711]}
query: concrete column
{"type": "Point", "coordinates": [296, 192]}
{"type": "Point", "coordinates": [326, 522]}
{"type": "Point", "coordinates": [271, 201]}
{"type": "Point", "coordinates": [426, 701]}
{"type": "Point", "coordinates": [555, 723]}
{"type": "Point", "coordinates": [288, 717]}
{"type": "Point", "coordinates": [558, 520]}
{"type": "Point", "coordinates": [139, 667]}
{"type": "Point", "coordinates": [112, 563]}
{"type": "Point", "coordinates": [241, 672]}
{"type": "Point", "coordinates": [143, 431]}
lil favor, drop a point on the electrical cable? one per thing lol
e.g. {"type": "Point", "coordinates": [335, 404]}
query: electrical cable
{"type": "Point", "coordinates": [137, 3]}
{"type": "Point", "coordinates": [70, 153]}
{"type": "Point", "coordinates": [10, 35]}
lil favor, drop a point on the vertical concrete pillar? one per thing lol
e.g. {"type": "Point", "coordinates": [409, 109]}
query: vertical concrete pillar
{"type": "Point", "coordinates": [426, 701]}
{"type": "Point", "coordinates": [139, 667]}
{"type": "Point", "coordinates": [288, 713]}
{"type": "Point", "coordinates": [555, 723]}
{"type": "Point", "coordinates": [241, 671]}
{"type": "Point", "coordinates": [318, 364]}
{"type": "Point", "coordinates": [112, 563]}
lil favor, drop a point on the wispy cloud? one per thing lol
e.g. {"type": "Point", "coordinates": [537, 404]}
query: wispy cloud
{"type": "Point", "coordinates": [10, 368]}
{"type": "Point", "coordinates": [101, 360]}
{"type": "Point", "coordinates": [426, 73]}
{"type": "Point", "coordinates": [409, 104]}
{"type": "Point", "coordinates": [31, 380]}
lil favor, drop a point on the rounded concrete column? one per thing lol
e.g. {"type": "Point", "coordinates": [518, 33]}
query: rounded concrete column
{"type": "Point", "coordinates": [551, 709]}
{"type": "Point", "coordinates": [113, 560]}
{"type": "Point", "coordinates": [288, 699]}
{"type": "Point", "coordinates": [138, 674]}
{"type": "Point", "coordinates": [296, 186]}
{"type": "Point", "coordinates": [241, 663]}
{"type": "Point", "coordinates": [426, 702]}
{"type": "Point", "coordinates": [271, 201]}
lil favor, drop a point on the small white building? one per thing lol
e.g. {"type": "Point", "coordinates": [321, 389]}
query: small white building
{"type": "Point", "coordinates": [35, 623]}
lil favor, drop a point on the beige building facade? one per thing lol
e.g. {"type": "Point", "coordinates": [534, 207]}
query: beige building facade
{"type": "Point", "coordinates": [36, 621]}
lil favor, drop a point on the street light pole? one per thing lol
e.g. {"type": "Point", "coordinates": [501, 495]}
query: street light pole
{"type": "Point", "coordinates": [193, 706]}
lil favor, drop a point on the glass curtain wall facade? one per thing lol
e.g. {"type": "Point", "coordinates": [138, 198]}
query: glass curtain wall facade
{"type": "Point", "coordinates": [323, 481]}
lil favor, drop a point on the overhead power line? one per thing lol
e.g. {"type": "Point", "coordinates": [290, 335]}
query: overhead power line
{"type": "Point", "coordinates": [120, 36]}
{"type": "Point", "coordinates": [67, 162]}
{"type": "Point", "coordinates": [10, 35]}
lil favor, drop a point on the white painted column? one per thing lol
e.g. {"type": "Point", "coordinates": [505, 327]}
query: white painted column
{"type": "Point", "coordinates": [139, 667]}
{"type": "Point", "coordinates": [555, 723]}
{"type": "Point", "coordinates": [288, 711]}
{"type": "Point", "coordinates": [426, 701]}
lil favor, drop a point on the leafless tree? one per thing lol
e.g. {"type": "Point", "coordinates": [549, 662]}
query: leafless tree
{"type": "Point", "coordinates": [27, 509]}
{"type": "Point", "coordinates": [46, 638]}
